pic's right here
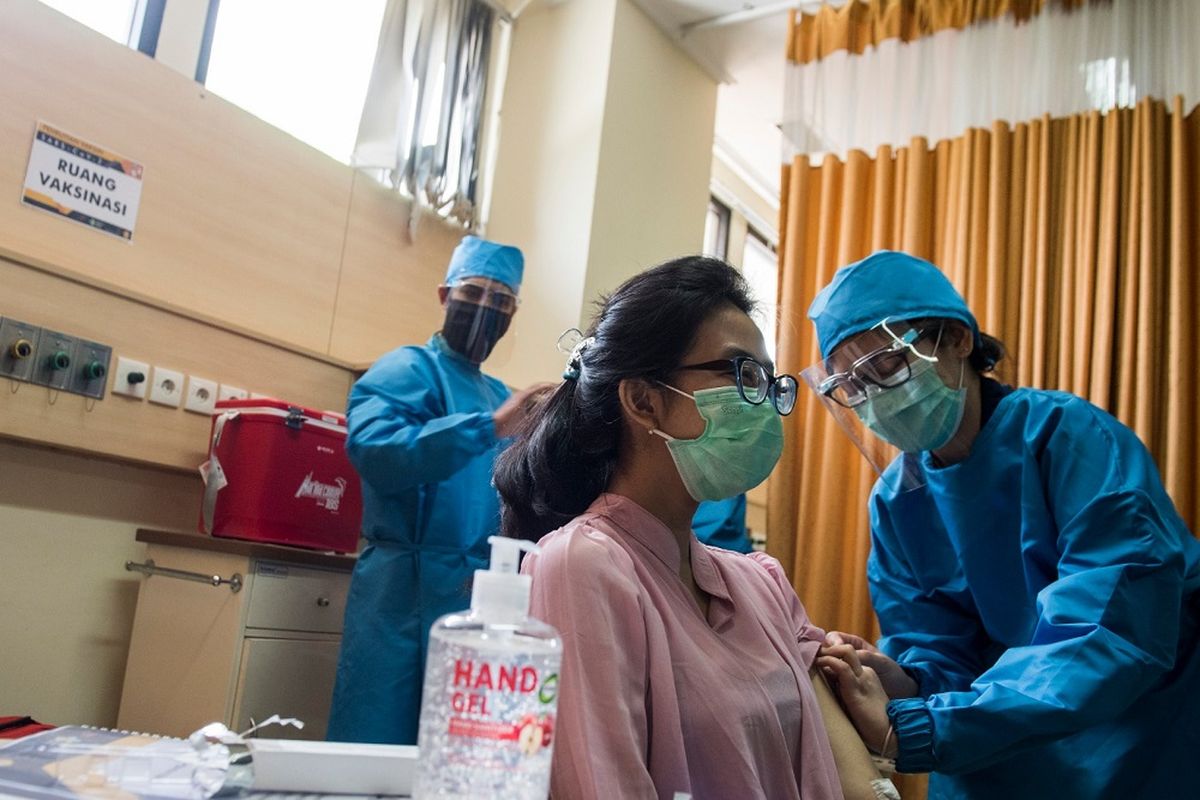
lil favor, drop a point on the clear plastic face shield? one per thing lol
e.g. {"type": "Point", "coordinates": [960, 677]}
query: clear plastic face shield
{"type": "Point", "coordinates": [863, 369]}
{"type": "Point", "coordinates": [478, 314]}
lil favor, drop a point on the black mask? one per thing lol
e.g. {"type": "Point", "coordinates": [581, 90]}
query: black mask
{"type": "Point", "coordinates": [473, 330]}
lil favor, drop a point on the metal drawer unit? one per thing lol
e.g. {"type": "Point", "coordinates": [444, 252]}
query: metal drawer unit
{"type": "Point", "coordinates": [249, 631]}
{"type": "Point", "coordinates": [291, 598]}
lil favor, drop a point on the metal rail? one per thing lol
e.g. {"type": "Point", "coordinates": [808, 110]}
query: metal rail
{"type": "Point", "coordinates": [150, 568]}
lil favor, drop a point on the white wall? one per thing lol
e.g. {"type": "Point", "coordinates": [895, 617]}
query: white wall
{"type": "Point", "coordinates": [652, 189]}
{"type": "Point", "coordinates": [602, 167]}
{"type": "Point", "coordinates": [546, 166]}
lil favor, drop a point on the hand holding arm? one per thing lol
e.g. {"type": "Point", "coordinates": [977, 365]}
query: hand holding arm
{"type": "Point", "coordinates": [862, 695]}
{"type": "Point", "coordinates": [896, 682]}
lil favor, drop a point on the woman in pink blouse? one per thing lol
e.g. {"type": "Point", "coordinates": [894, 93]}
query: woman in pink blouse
{"type": "Point", "coordinates": [686, 668]}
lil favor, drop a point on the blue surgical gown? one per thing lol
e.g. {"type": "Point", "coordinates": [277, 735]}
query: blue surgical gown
{"type": "Point", "coordinates": [423, 441]}
{"type": "Point", "coordinates": [1043, 592]}
{"type": "Point", "coordinates": [722, 523]}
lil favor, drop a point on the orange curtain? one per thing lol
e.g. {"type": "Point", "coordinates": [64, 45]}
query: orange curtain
{"type": "Point", "coordinates": [1072, 239]}
{"type": "Point", "coordinates": [860, 24]}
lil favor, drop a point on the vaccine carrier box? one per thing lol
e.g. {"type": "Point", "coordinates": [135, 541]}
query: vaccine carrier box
{"type": "Point", "coordinates": [278, 473]}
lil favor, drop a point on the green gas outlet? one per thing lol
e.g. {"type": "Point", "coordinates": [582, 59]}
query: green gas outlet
{"type": "Point", "coordinates": [89, 369]}
{"type": "Point", "coordinates": [52, 360]}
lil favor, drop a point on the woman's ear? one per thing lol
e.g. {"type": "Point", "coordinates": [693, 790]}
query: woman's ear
{"type": "Point", "coordinates": [641, 402]}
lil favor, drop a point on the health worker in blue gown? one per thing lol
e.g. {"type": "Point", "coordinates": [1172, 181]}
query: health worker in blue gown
{"type": "Point", "coordinates": [722, 523]}
{"type": "Point", "coordinates": [1035, 587]}
{"type": "Point", "coordinates": [425, 425]}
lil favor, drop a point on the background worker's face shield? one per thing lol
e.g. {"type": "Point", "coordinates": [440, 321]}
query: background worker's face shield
{"type": "Point", "coordinates": [478, 313]}
{"type": "Point", "coordinates": [863, 368]}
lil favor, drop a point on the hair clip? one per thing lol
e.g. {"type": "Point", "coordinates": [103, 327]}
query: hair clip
{"type": "Point", "coordinates": [574, 364]}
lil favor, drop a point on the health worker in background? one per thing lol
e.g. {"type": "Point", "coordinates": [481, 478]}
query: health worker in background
{"type": "Point", "coordinates": [722, 523]}
{"type": "Point", "coordinates": [1036, 589]}
{"type": "Point", "coordinates": [425, 425]}
{"type": "Point", "coordinates": [686, 668]}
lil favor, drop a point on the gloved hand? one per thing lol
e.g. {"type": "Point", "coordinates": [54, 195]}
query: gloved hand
{"type": "Point", "coordinates": [896, 682]}
{"type": "Point", "coordinates": [512, 412]}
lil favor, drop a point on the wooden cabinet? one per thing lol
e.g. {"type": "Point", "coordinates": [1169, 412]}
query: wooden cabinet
{"type": "Point", "coordinates": [202, 653]}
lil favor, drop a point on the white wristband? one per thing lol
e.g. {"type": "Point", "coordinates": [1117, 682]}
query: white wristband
{"type": "Point", "coordinates": [884, 789]}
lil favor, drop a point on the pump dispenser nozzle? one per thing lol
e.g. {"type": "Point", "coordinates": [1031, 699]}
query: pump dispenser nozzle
{"type": "Point", "coordinates": [500, 593]}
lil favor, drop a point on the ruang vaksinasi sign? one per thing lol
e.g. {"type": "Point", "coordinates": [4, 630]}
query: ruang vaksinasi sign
{"type": "Point", "coordinates": [83, 182]}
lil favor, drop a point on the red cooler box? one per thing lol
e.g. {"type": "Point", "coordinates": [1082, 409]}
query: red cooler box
{"type": "Point", "coordinates": [279, 473]}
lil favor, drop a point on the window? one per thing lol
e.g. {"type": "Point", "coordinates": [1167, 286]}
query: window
{"type": "Point", "coordinates": [113, 18]}
{"type": "Point", "coordinates": [301, 65]}
{"type": "Point", "coordinates": [716, 229]}
{"type": "Point", "coordinates": [760, 265]}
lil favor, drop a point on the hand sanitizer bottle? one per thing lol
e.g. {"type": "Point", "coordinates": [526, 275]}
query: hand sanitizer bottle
{"type": "Point", "coordinates": [491, 689]}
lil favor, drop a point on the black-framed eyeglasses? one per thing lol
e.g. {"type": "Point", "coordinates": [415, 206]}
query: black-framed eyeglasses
{"type": "Point", "coordinates": [499, 299]}
{"type": "Point", "coordinates": [755, 384]}
{"type": "Point", "coordinates": [886, 368]}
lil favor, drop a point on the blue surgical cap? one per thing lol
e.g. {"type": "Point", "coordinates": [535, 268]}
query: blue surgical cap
{"type": "Point", "coordinates": [479, 258]}
{"type": "Point", "coordinates": [884, 285]}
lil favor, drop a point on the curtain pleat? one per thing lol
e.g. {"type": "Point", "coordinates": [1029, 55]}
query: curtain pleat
{"type": "Point", "coordinates": [859, 24]}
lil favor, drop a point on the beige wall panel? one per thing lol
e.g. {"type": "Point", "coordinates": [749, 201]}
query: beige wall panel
{"type": "Point", "coordinates": [238, 221]}
{"type": "Point", "coordinates": [388, 291]}
{"type": "Point", "coordinates": [68, 610]}
{"type": "Point", "coordinates": [67, 525]}
{"type": "Point", "coordinates": [123, 428]}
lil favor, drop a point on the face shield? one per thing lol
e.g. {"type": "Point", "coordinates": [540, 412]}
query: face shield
{"type": "Point", "coordinates": [873, 381]}
{"type": "Point", "coordinates": [478, 313]}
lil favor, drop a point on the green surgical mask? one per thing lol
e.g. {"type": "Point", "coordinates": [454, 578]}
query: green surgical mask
{"type": "Point", "coordinates": [740, 445]}
{"type": "Point", "coordinates": [921, 414]}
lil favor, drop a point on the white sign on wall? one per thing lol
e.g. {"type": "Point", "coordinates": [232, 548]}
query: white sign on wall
{"type": "Point", "coordinates": [82, 182]}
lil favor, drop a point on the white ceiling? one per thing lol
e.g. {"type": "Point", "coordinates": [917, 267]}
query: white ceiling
{"type": "Point", "coordinates": [747, 57]}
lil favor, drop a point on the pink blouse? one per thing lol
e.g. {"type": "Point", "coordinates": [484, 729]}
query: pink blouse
{"type": "Point", "coordinates": [657, 699]}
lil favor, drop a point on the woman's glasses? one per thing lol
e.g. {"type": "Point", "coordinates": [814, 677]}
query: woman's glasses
{"type": "Point", "coordinates": [755, 384]}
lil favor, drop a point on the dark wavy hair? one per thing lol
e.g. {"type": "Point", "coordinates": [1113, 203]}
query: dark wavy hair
{"type": "Point", "coordinates": [567, 449]}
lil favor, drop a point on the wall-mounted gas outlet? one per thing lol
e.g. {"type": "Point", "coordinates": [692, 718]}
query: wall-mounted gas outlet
{"type": "Point", "coordinates": [52, 359]}
{"type": "Point", "coordinates": [89, 369]}
{"type": "Point", "coordinates": [201, 395]}
{"type": "Point", "coordinates": [227, 392]}
{"type": "Point", "coordinates": [131, 378]}
{"type": "Point", "coordinates": [18, 343]}
{"type": "Point", "coordinates": [167, 387]}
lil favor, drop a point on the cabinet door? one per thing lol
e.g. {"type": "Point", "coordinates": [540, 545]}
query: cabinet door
{"type": "Point", "coordinates": [183, 655]}
{"type": "Point", "coordinates": [288, 677]}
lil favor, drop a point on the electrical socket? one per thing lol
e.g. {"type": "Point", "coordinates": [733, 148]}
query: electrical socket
{"type": "Point", "coordinates": [167, 387]}
{"type": "Point", "coordinates": [89, 369]}
{"type": "Point", "coordinates": [227, 392]}
{"type": "Point", "coordinates": [122, 384]}
{"type": "Point", "coordinates": [52, 359]}
{"type": "Point", "coordinates": [18, 343]}
{"type": "Point", "coordinates": [201, 395]}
